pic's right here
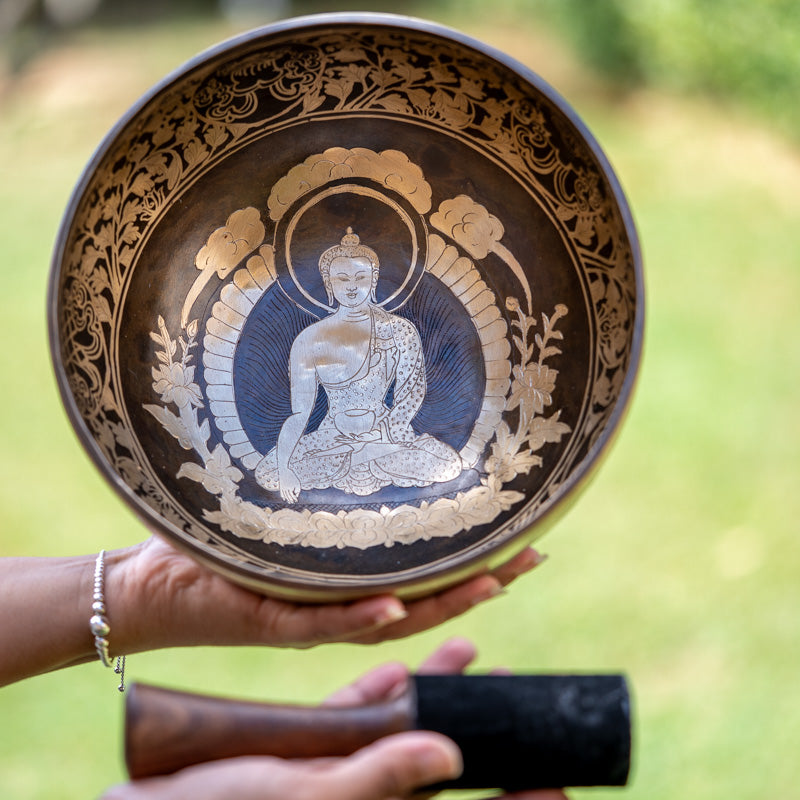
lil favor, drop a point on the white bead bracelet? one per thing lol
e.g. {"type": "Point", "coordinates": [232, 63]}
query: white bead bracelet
{"type": "Point", "coordinates": [98, 623]}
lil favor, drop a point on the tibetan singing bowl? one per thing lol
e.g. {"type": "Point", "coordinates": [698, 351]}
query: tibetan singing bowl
{"type": "Point", "coordinates": [351, 303]}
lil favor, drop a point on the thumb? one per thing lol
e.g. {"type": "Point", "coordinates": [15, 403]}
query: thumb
{"type": "Point", "coordinates": [394, 766]}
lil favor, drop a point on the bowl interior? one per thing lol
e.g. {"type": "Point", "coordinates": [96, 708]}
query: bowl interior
{"type": "Point", "coordinates": [348, 304]}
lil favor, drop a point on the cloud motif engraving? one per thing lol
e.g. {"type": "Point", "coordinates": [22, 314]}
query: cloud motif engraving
{"type": "Point", "coordinates": [470, 225]}
{"type": "Point", "coordinates": [390, 168]}
{"type": "Point", "coordinates": [241, 234]}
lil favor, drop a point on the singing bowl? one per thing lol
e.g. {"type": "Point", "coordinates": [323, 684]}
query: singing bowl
{"type": "Point", "coordinates": [348, 304]}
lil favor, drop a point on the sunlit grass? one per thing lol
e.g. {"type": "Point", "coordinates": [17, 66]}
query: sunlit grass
{"type": "Point", "coordinates": [678, 565]}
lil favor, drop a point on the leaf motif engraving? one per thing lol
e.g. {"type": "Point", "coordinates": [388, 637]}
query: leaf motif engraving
{"type": "Point", "coordinates": [512, 453]}
{"type": "Point", "coordinates": [395, 103]}
{"type": "Point", "coordinates": [120, 205]}
{"type": "Point", "coordinates": [172, 424]}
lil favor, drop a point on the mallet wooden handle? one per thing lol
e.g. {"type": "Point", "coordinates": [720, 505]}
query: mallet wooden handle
{"type": "Point", "coordinates": [515, 732]}
{"type": "Point", "coordinates": [167, 730]}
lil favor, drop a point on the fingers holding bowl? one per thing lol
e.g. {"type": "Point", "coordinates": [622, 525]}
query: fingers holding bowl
{"type": "Point", "coordinates": [428, 612]}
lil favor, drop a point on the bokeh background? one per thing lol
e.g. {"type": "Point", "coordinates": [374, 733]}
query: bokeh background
{"type": "Point", "coordinates": [679, 565]}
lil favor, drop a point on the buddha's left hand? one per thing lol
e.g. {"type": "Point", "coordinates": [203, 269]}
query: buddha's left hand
{"type": "Point", "coordinates": [159, 597]}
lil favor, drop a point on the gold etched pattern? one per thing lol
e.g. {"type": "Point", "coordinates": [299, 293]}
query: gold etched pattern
{"type": "Point", "coordinates": [390, 168]}
{"type": "Point", "coordinates": [467, 223]}
{"type": "Point", "coordinates": [217, 108]}
{"type": "Point", "coordinates": [459, 274]}
{"type": "Point", "coordinates": [511, 454]}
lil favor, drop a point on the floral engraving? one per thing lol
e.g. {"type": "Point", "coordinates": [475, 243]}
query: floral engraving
{"type": "Point", "coordinates": [512, 453]}
{"type": "Point", "coordinates": [217, 108]}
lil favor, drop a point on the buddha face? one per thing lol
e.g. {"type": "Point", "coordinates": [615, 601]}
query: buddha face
{"type": "Point", "coordinates": [351, 280]}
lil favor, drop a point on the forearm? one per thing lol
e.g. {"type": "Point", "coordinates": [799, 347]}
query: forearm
{"type": "Point", "coordinates": [290, 434]}
{"type": "Point", "coordinates": [45, 606]}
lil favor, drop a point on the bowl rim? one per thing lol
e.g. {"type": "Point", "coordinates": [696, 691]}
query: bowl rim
{"type": "Point", "coordinates": [460, 567]}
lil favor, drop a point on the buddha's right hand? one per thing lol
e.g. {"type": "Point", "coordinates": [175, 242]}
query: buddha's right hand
{"type": "Point", "coordinates": [289, 485]}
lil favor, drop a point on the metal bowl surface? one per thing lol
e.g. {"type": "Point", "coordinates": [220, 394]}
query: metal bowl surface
{"type": "Point", "coordinates": [348, 304]}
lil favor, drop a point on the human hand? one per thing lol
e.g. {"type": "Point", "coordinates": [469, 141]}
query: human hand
{"type": "Point", "coordinates": [390, 769]}
{"type": "Point", "coordinates": [159, 597]}
{"type": "Point", "coordinates": [390, 680]}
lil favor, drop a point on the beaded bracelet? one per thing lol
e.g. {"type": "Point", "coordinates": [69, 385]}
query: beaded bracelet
{"type": "Point", "coordinates": [98, 623]}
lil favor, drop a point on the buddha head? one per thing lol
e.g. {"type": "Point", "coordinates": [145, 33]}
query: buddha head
{"type": "Point", "coordinates": [349, 271]}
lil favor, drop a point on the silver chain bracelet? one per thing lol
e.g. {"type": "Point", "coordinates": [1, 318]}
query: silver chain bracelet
{"type": "Point", "coordinates": [98, 623]}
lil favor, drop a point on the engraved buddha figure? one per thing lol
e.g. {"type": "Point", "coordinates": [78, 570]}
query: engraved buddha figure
{"type": "Point", "coordinates": [356, 353]}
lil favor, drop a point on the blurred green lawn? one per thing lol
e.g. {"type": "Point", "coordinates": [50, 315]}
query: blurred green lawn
{"type": "Point", "coordinates": [679, 564]}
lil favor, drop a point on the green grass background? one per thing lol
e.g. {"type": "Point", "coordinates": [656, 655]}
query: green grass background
{"type": "Point", "coordinates": [679, 564]}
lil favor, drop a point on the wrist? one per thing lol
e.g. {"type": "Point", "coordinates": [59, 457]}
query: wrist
{"type": "Point", "coordinates": [125, 598]}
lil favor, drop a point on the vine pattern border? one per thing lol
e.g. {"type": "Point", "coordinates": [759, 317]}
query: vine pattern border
{"type": "Point", "coordinates": [218, 108]}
